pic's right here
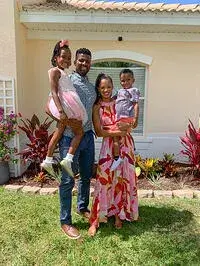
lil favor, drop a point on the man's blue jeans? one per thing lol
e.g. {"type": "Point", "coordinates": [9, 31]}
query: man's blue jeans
{"type": "Point", "coordinates": [84, 158]}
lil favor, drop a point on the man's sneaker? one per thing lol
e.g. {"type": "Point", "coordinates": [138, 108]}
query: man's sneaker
{"type": "Point", "coordinates": [116, 163]}
{"type": "Point", "coordinates": [67, 165]}
{"type": "Point", "coordinates": [47, 166]}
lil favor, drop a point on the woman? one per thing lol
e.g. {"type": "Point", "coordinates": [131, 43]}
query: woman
{"type": "Point", "coordinates": [115, 191]}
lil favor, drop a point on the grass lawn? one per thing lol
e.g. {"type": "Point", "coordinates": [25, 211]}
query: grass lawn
{"type": "Point", "coordinates": [168, 234]}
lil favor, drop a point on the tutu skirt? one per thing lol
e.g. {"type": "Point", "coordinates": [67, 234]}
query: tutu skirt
{"type": "Point", "coordinates": [71, 105]}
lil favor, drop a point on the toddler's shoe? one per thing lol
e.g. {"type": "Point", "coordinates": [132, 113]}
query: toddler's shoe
{"type": "Point", "coordinates": [67, 165]}
{"type": "Point", "coordinates": [47, 166]}
{"type": "Point", "coordinates": [116, 163]}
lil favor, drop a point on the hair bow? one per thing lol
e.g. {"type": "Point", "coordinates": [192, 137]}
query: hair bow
{"type": "Point", "coordinates": [63, 43]}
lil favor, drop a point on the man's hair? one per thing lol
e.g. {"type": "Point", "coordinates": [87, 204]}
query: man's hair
{"type": "Point", "coordinates": [83, 51]}
{"type": "Point", "coordinates": [126, 71]}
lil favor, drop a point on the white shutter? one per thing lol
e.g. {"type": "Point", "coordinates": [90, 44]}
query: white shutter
{"type": "Point", "coordinates": [139, 73]}
{"type": "Point", "coordinates": [7, 101]}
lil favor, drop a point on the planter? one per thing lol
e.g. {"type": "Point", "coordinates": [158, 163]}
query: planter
{"type": "Point", "coordinates": [4, 172]}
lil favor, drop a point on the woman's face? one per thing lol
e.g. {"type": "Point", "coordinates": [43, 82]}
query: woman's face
{"type": "Point", "coordinates": [105, 89]}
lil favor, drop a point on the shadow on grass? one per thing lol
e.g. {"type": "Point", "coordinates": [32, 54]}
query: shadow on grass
{"type": "Point", "coordinates": [159, 219]}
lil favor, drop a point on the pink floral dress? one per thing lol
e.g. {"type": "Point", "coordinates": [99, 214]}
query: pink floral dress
{"type": "Point", "coordinates": [115, 192]}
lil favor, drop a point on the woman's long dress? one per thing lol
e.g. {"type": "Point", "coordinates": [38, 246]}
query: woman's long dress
{"type": "Point", "coordinates": [115, 192]}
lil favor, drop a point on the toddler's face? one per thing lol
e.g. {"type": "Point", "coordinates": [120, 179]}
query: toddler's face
{"type": "Point", "coordinates": [64, 59]}
{"type": "Point", "coordinates": [126, 80]}
{"type": "Point", "coordinates": [105, 89]}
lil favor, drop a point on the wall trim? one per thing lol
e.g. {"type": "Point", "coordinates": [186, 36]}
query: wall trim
{"type": "Point", "coordinates": [121, 54]}
{"type": "Point", "coordinates": [105, 17]}
{"type": "Point", "coordinates": [112, 36]}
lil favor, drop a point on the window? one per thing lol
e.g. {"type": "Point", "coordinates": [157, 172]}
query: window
{"type": "Point", "coordinates": [113, 69]}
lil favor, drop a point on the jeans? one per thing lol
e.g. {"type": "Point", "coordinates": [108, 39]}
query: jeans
{"type": "Point", "coordinates": [84, 159]}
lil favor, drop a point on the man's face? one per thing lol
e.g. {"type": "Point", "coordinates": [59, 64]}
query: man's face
{"type": "Point", "coordinates": [82, 64]}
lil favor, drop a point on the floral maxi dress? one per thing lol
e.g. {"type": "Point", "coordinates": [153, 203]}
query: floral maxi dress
{"type": "Point", "coordinates": [115, 192]}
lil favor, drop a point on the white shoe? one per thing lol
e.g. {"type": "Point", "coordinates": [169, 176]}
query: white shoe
{"type": "Point", "coordinates": [116, 163]}
{"type": "Point", "coordinates": [67, 165]}
{"type": "Point", "coordinates": [47, 166]}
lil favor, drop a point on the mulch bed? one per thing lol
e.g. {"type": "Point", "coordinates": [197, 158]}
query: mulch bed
{"type": "Point", "coordinates": [183, 180]}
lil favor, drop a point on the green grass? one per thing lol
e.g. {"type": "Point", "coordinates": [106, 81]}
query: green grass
{"type": "Point", "coordinates": [168, 234]}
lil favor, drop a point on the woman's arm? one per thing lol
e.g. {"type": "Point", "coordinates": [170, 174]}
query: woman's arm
{"type": "Point", "coordinates": [98, 129]}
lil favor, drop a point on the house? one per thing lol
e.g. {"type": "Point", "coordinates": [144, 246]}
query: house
{"type": "Point", "coordinates": [161, 42]}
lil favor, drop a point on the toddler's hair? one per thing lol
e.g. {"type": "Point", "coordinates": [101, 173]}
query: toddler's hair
{"type": "Point", "coordinates": [83, 51]}
{"type": "Point", "coordinates": [126, 71]}
{"type": "Point", "coordinates": [97, 84]}
{"type": "Point", "coordinates": [63, 44]}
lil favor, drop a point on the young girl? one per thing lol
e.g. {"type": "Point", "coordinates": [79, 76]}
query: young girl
{"type": "Point", "coordinates": [127, 108]}
{"type": "Point", "coordinates": [64, 104]}
{"type": "Point", "coordinates": [115, 192]}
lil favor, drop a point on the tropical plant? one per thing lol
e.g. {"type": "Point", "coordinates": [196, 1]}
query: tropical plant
{"type": "Point", "coordinates": [168, 165]}
{"type": "Point", "coordinates": [8, 129]}
{"type": "Point", "coordinates": [39, 137]}
{"type": "Point", "coordinates": [41, 178]}
{"type": "Point", "coordinates": [191, 143]}
{"type": "Point", "coordinates": [149, 167]}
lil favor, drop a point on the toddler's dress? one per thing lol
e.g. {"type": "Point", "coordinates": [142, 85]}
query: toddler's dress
{"type": "Point", "coordinates": [69, 99]}
{"type": "Point", "coordinates": [126, 98]}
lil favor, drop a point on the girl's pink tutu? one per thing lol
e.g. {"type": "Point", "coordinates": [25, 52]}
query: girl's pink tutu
{"type": "Point", "coordinates": [71, 104]}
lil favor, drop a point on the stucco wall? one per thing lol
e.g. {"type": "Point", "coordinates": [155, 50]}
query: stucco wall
{"type": "Point", "coordinates": [7, 40]}
{"type": "Point", "coordinates": [173, 89]}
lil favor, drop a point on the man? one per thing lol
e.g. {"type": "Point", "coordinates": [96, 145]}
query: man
{"type": "Point", "coordinates": [85, 152]}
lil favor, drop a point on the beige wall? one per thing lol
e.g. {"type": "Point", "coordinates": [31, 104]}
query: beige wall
{"type": "Point", "coordinates": [173, 88]}
{"type": "Point", "coordinates": [22, 61]}
{"type": "Point", "coordinates": [7, 39]}
{"type": "Point", "coordinates": [173, 92]}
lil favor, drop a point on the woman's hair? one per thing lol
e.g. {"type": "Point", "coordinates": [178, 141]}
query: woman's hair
{"type": "Point", "coordinates": [97, 84]}
{"type": "Point", "coordinates": [63, 44]}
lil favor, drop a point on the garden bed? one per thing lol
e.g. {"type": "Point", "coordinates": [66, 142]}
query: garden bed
{"type": "Point", "coordinates": [184, 179]}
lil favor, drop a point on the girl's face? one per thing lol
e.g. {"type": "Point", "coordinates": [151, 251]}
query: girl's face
{"type": "Point", "coordinates": [64, 59]}
{"type": "Point", "coordinates": [126, 80]}
{"type": "Point", "coordinates": [105, 89]}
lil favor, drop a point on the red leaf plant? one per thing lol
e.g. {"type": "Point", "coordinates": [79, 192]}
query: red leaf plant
{"type": "Point", "coordinates": [191, 143]}
{"type": "Point", "coordinates": [39, 138]}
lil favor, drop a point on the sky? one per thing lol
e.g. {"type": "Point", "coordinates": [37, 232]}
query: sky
{"type": "Point", "coordinates": [160, 1]}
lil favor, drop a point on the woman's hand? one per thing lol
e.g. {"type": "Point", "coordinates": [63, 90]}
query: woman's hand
{"type": "Point", "coordinates": [124, 126]}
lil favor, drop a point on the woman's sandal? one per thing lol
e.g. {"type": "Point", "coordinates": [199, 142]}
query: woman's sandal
{"type": "Point", "coordinates": [92, 230]}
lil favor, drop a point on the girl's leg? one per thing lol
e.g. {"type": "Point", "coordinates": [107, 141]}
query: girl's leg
{"type": "Point", "coordinates": [116, 150]}
{"type": "Point", "coordinates": [67, 161]}
{"type": "Point", "coordinates": [116, 147]}
{"type": "Point", "coordinates": [47, 163]}
{"type": "Point", "coordinates": [55, 138]}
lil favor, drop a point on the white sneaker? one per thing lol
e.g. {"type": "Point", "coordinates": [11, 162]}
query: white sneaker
{"type": "Point", "coordinates": [116, 163]}
{"type": "Point", "coordinates": [67, 165]}
{"type": "Point", "coordinates": [47, 166]}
